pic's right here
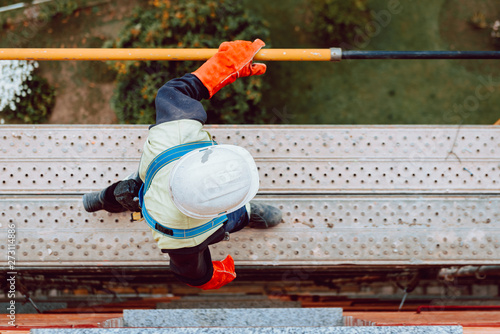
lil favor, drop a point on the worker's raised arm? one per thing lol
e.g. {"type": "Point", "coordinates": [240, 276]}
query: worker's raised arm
{"type": "Point", "coordinates": [180, 98]}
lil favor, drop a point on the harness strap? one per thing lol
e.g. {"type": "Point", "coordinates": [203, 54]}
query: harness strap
{"type": "Point", "coordinates": [162, 160]}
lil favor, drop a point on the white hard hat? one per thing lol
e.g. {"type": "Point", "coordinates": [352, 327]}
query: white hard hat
{"type": "Point", "coordinates": [210, 182]}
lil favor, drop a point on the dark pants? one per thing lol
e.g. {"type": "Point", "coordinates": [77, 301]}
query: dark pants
{"type": "Point", "coordinates": [194, 265]}
{"type": "Point", "coordinates": [236, 220]}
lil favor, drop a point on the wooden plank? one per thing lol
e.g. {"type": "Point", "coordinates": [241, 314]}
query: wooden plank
{"type": "Point", "coordinates": [481, 330]}
{"type": "Point", "coordinates": [56, 320]}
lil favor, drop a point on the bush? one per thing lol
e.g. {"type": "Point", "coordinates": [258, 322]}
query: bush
{"type": "Point", "coordinates": [186, 24]}
{"type": "Point", "coordinates": [48, 11]}
{"type": "Point", "coordinates": [4, 3]}
{"type": "Point", "coordinates": [335, 22]}
{"type": "Point", "coordinates": [25, 97]}
{"type": "Point", "coordinates": [96, 71]}
{"type": "Point", "coordinates": [36, 107]}
{"type": "Point", "coordinates": [33, 16]}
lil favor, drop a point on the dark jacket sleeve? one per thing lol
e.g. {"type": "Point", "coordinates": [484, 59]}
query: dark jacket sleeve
{"type": "Point", "coordinates": [180, 99]}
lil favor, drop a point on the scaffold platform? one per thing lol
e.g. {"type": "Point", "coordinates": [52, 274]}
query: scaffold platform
{"type": "Point", "coordinates": [350, 195]}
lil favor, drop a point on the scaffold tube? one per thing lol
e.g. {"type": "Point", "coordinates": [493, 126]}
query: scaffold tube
{"type": "Point", "coordinates": [332, 54]}
{"type": "Point", "coordinates": [157, 54]}
{"type": "Point", "coordinates": [355, 54]}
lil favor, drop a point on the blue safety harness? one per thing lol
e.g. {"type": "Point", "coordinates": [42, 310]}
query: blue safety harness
{"type": "Point", "coordinates": [162, 160]}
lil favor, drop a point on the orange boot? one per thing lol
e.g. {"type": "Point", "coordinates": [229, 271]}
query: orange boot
{"type": "Point", "coordinates": [223, 274]}
{"type": "Point", "coordinates": [232, 61]}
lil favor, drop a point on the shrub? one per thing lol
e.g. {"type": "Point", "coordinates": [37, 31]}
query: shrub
{"type": "Point", "coordinates": [25, 96]}
{"type": "Point", "coordinates": [96, 71]}
{"type": "Point", "coordinates": [4, 3]}
{"type": "Point", "coordinates": [186, 24]}
{"type": "Point", "coordinates": [335, 22]}
{"type": "Point", "coordinates": [62, 8]}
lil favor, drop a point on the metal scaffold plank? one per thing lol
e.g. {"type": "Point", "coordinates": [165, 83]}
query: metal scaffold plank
{"type": "Point", "coordinates": [313, 159]}
{"type": "Point", "coordinates": [276, 175]}
{"type": "Point", "coordinates": [414, 143]}
{"type": "Point", "coordinates": [317, 230]}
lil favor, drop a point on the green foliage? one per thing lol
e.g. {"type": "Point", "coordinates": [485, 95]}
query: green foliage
{"type": "Point", "coordinates": [96, 71]}
{"type": "Point", "coordinates": [63, 8]}
{"type": "Point", "coordinates": [7, 2]}
{"type": "Point", "coordinates": [186, 24]}
{"type": "Point", "coordinates": [4, 3]}
{"type": "Point", "coordinates": [8, 16]}
{"type": "Point", "coordinates": [36, 106]}
{"type": "Point", "coordinates": [334, 22]}
{"type": "Point", "coordinates": [46, 11]}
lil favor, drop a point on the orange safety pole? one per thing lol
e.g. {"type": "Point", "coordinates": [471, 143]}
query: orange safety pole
{"type": "Point", "coordinates": [160, 54]}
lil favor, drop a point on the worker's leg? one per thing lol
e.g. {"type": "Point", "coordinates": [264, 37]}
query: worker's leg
{"type": "Point", "coordinates": [118, 197]}
{"type": "Point", "coordinates": [264, 215]}
{"type": "Point", "coordinates": [102, 200]}
{"type": "Point", "coordinates": [261, 216]}
{"type": "Point", "coordinates": [192, 268]}
{"type": "Point", "coordinates": [236, 220]}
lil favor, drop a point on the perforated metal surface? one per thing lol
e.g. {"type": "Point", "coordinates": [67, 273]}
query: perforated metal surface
{"type": "Point", "coordinates": [316, 230]}
{"type": "Point", "coordinates": [418, 218]}
{"type": "Point", "coordinates": [314, 159]}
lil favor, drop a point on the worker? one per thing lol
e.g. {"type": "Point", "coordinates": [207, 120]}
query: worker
{"type": "Point", "coordinates": [192, 192]}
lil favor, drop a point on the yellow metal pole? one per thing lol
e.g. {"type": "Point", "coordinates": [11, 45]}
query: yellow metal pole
{"type": "Point", "coordinates": [158, 54]}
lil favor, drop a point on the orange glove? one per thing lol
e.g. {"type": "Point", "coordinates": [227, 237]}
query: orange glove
{"type": "Point", "coordinates": [223, 274]}
{"type": "Point", "coordinates": [232, 61]}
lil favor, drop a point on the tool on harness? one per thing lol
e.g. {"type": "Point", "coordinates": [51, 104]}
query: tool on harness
{"type": "Point", "coordinates": [136, 216]}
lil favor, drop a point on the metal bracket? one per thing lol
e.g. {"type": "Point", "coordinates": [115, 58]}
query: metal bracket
{"type": "Point", "coordinates": [335, 54]}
